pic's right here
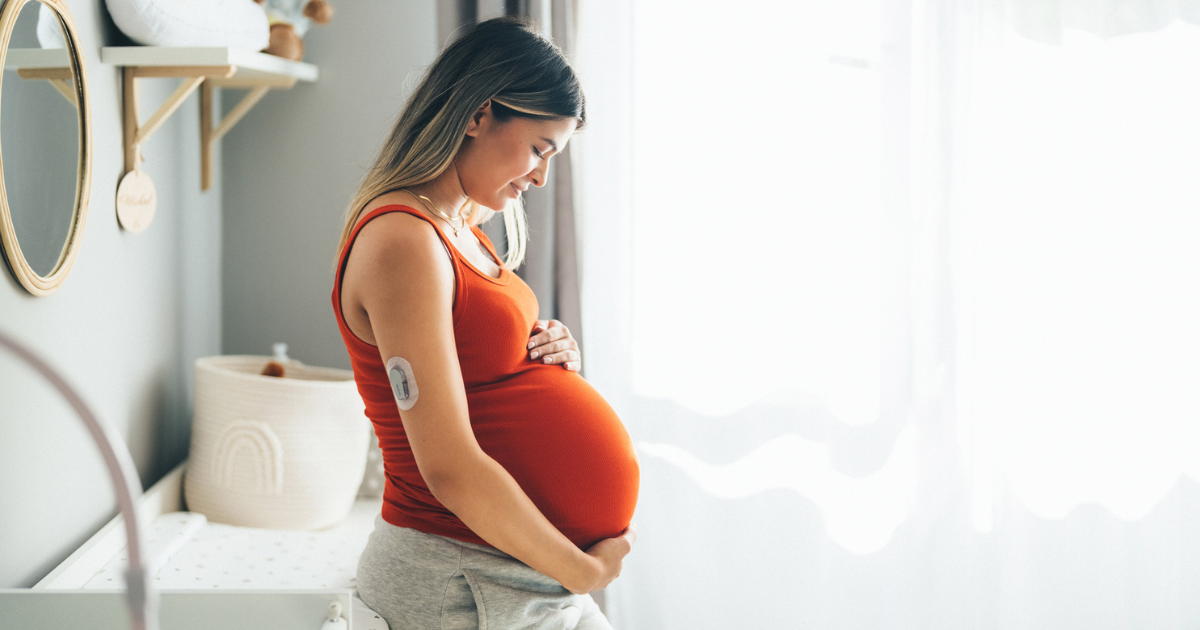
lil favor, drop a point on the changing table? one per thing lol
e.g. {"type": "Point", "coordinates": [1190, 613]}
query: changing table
{"type": "Point", "coordinates": [254, 568]}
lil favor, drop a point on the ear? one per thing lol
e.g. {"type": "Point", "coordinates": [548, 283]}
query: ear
{"type": "Point", "coordinates": [480, 119]}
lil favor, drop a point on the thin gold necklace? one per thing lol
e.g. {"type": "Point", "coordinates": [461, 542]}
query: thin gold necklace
{"type": "Point", "coordinates": [429, 206]}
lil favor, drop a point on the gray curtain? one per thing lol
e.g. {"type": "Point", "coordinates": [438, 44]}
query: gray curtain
{"type": "Point", "coordinates": [551, 266]}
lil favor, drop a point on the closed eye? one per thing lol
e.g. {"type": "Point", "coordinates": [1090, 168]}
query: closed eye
{"type": "Point", "coordinates": [538, 153]}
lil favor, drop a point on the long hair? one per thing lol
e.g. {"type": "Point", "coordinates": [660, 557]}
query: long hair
{"type": "Point", "coordinates": [505, 60]}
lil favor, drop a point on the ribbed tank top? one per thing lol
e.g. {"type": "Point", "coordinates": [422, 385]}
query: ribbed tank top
{"type": "Point", "coordinates": [550, 429]}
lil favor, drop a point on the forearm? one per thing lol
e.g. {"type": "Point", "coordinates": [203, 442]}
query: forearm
{"type": "Point", "coordinates": [490, 502]}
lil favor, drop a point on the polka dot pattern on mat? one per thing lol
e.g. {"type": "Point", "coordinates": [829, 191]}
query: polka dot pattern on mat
{"type": "Point", "coordinates": [185, 551]}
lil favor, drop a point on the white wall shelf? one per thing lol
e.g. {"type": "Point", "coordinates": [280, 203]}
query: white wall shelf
{"type": "Point", "coordinates": [204, 68]}
{"type": "Point", "coordinates": [21, 58]}
{"type": "Point", "coordinates": [51, 64]}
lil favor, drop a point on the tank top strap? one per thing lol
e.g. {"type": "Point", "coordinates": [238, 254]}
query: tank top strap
{"type": "Point", "coordinates": [451, 251]}
{"type": "Point", "coordinates": [395, 207]}
{"type": "Point", "coordinates": [487, 243]}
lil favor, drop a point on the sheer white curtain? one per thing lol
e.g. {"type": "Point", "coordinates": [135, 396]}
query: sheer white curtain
{"type": "Point", "coordinates": [898, 301]}
{"type": "Point", "coordinates": [1077, 270]}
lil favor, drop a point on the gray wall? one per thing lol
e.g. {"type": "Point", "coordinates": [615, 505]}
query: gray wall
{"type": "Point", "coordinates": [138, 309]}
{"type": "Point", "coordinates": [291, 166]}
{"type": "Point", "coordinates": [124, 328]}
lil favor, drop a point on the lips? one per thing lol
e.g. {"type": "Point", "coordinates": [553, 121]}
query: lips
{"type": "Point", "coordinates": [516, 190]}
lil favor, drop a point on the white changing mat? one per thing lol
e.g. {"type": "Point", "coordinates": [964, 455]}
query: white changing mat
{"type": "Point", "coordinates": [185, 551]}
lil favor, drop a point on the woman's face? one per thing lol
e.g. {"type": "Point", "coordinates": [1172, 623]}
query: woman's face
{"type": "Point", "coordinates": [497, 160]}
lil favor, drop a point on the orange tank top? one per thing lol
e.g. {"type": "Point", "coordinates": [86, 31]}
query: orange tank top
{"type": "Point", "coordinates": [550, 429]}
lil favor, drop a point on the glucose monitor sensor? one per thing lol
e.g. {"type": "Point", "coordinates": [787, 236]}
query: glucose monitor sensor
{"type": "Point", "coordinates": [404, 384]}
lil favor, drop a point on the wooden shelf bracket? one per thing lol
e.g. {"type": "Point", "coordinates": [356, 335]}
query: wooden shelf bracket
{"type": "Point", "coordinates": [63, 80]}
{"type": "Point", "coordinates": [210, 134]}
{"type": "Point", "coordinates": [203, 69]}
{"type": "Point", "coordinates": [49, 64]}
{"type": "Point", "coordinates": [136, 133]}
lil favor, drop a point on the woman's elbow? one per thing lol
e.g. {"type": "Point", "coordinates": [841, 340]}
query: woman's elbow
{"type": "Point", "coordinates": [448, 480]}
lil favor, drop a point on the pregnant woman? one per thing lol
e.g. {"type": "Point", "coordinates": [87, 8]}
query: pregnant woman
{"type": "Point", "coordinates": [510, 482]}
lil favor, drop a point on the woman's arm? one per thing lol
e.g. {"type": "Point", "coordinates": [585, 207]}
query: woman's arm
{"type": "Point", "coordinates": [400, 274]}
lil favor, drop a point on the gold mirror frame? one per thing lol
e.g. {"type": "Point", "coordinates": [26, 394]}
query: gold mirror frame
{"type": "Point", "coordinates": [34, 283]}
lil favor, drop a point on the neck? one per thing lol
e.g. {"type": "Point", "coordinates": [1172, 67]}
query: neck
{"type": "Point", "coordinates": [446, 192]}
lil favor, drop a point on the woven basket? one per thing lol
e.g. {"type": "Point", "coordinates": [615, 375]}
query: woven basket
{"type": "Point", "coordinates": [275, 453]}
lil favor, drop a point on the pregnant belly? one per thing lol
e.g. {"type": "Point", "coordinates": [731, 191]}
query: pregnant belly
{"type": "Point", "coordinates": [564, 445]}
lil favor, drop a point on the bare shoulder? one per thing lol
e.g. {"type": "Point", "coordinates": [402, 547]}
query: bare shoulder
{"type": "Point", "coordinates": [396, 252]}
{"type": "Point", "coordinates": [395, 234]}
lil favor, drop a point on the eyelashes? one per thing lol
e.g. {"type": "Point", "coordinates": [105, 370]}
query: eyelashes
{"type": "Point", "coordinates": [538, 153]}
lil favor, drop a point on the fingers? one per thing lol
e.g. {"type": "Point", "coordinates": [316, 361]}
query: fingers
{"type": "Point", "coordinates": [552, 330]}
{"type": "Point", "coordinates": [622, 544]}
{"type": "Point", "coordinates": [555, 348]}
{"type": "Point", "coordinates": [625, 547]}
{"type": "Point", "coordinates": [552, 343]}
{"type": "Point", "coordinates": [611, 553]}
{"type": "Point", "coordinates": [569, 359]}
{"type": "Point", "coordinates": [549, 331]}
{"type": "Point", "coordinates": [545, 324]}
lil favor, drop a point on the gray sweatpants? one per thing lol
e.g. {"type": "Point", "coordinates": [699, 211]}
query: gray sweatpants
{"type": "Point", "coordinates": [419, 581]}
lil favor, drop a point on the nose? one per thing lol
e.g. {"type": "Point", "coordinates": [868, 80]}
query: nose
{"type": "Point", "coordinates": [538, 175]}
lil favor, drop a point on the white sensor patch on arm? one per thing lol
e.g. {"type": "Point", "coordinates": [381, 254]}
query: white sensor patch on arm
{"type": "Point", "coordinates": [404, 384]}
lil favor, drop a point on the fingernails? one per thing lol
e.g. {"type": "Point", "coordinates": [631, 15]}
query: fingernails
{"type": "Point", "coordinates": [533, 355]}
{"type": "Point", "coordinates": [547, 359]}
{"type": "Point", "coordinates": [530, 346]}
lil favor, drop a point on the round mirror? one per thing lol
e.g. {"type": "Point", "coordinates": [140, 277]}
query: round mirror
{"type": "Point", "coordinates": [45, 142]}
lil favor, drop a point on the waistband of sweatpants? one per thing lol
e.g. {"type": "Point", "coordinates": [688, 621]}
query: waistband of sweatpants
{"type": "Point", "coordinates": [380, 523]}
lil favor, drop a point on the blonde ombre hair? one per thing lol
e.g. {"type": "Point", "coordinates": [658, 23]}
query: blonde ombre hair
{"type": "Point", "coordinates": [505, 60]}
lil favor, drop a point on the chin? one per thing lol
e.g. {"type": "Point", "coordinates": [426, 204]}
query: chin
{"type": "Point", "coordinates": [498, 204]}
{"type": "Point", "coordinates": [498, 200]}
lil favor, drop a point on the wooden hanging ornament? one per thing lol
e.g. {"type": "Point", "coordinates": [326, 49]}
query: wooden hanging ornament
{"type": "Point", "coordinates": [136, 201]}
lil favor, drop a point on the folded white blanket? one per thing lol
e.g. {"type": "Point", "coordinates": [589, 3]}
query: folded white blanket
{"type": "Point", "coordinates": [240, 24]}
